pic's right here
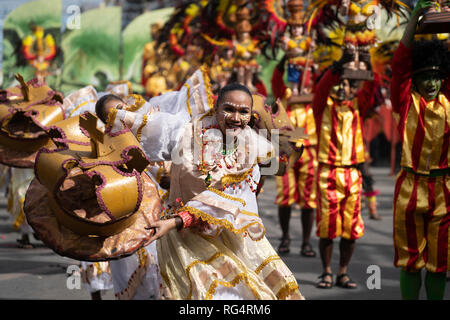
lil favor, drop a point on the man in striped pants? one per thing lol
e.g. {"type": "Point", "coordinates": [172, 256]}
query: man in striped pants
{"type": "Point", "coordinates": [339, 107]}
{"type": "Point", "coordinates": [420, 95]}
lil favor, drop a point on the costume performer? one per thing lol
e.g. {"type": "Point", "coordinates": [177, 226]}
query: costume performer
{"type": "Point", "coordinates": [340, 149]}
{"type": "Point", "coordinates": [219, 250]}
{"type": "Point", "coordinates": [420, 96]}
{"type": "Point", "coordinates": [298, 184]}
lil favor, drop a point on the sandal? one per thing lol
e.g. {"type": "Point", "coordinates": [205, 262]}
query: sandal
{"type": "Point", "coordinates": [23, 244]}
{"type": "Point", "coordinates": [284, 246]}
{"type": "Point", "coordinates": [325, 284]}
{"type": "Point", "coordinates": [307, 250]}
{"type": "Point", "coordinates": [348, 284]}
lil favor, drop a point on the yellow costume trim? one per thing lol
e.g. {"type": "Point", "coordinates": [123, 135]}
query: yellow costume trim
{"type": "Point", "coordinates": [226, 196]}
{"type": "Point", "coordinates": [266, 262]}
{"type": "Point", "coordinates": [232, 283]}
{"type": "Point", "coordinates": [99, 270]}
{"type": "Point", "coordinates": [213, 286]}
{"type": "Point", "coordinates": [220, 222]}
{"type": "Point", "coordinates": [21, 217]}
{"type": "Point", "coordinates": [142, 256]}
{"type": "Point", "coordinates": [205, 71]}
{"type": "Point", "coordinates": [111, 117]}
{"type": "Point", "coordinates": [287, 290]}
{"type": "Point", "coordinates": [80, 105]}
{"type": "Point", "coordinates": [139, 102]}
{"type": "Point", "coordinates": [188, 104]}
{"type": "Point", "coordinates": [139, 131]}
{"type": "Point", "coordinates": [248, 213]}
{"type": "Point", "coordinates": [235, 178]}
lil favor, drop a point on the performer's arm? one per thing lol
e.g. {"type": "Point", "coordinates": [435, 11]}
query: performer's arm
{"type": "Point", "coordinates": [328, 80]}
{"type": "Point", "coordinates": [401, 78]}
{"type": "Point", "coordinates": [157, 132]}
{"type": "Point", "coordinates": [322, 91]}
{"type": "Point", "coordinates": [366, 96]}
{"type": "Point", "coordinates": [408, 36]}
{"type": "Point", "coordinates": [278, 85]}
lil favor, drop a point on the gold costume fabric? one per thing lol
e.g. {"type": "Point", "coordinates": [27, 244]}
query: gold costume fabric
{"type": "Point", "coordinates": [298, 184]}
{"type": "Point", "coordinates": [422, 222]}
{"type": "Point", "coordinates": [339, 202]}
{"type": "Point", "coordinates": [340, 139]}
{"type": "Point", "coordinates": [424, 139]}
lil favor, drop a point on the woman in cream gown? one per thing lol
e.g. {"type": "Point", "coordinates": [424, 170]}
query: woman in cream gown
{"type": "Point", "coordinates": [211, 240]}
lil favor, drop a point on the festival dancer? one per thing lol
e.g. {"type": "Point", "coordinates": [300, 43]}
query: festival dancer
{"type": "Point", "coordinates": [212, 244]}
{"type": "Point", "coordinates": [338, 110]}
{"type": "Point", "coordinates": [420, 96]}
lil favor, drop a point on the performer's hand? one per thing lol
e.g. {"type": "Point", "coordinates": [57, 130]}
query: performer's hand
{"type": "Point", "coordinates": [347, 56]}
{"type": "Point", "coordinates": [421, 6]}
{"type": "Point", "coordinates": [162, 227]}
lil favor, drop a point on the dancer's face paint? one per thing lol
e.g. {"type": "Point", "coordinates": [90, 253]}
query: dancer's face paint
{"type": "Point", "coordinates": [233, 112]}
{"type": "Point", "coordinates": [342, 91]}
{"type": "Point", "coordinates": [428, 84]}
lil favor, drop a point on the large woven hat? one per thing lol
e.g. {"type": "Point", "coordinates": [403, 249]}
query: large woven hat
{"type": "Point", "coordinates": [26, 111]}
{"type": "Point", "coordinates": [91, 199]}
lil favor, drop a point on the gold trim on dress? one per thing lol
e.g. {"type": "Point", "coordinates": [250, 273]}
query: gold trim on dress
{"type": "Point", "coordinates": [286, 290]}
{"type": "Point", "coordinates": [221, 222]}
{"type": "Point", "coordinates": [206, 80]}
{"type": "Point", "coordinates": [226, 196]}
{"type": "Point", "coordinates": [188, 103]}
{"type": "Point", "coordinates": [232, 283]}
{"type": "Point", "coordinates": [138, 102]}
{"type": "Point", "coordinates": [81, 105]}
{"type": "Point", "coordinates": [139, 130]}
{"type": "Point", "coordinates": [235, 178]}
{"type": "Point", "coordinates": [213, 286]}
{"type": "Point", "coordinates": [266, 262]}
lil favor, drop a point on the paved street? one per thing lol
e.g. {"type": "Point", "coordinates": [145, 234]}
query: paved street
{"type": "Point", "coordinates": [41, 274]}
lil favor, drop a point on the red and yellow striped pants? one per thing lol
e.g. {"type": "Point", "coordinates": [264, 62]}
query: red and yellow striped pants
{"type": "Point", "coordinates": [421, 222]}
{"type": "Point", "coordinates": [339, 202]}
{"type": "Point", "coordinates": [298, 184]}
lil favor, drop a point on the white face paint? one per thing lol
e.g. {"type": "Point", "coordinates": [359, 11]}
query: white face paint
{"type": "Point", "coordinates": [234, 112]}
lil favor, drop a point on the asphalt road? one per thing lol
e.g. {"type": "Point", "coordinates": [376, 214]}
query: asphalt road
{"type": "Point", "coordinates": [41, 274]}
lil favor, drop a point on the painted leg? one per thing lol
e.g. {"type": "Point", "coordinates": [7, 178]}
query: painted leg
{"type": "Point", "coordinates": [346, 249]}
{"type": "Point", "coordinates": [435, 285]}
{"type": "Point", "coordinates": [410, 283]}
{"type": "Point", "coordinates": [307, 219]}
{"type": "Point", "coordinates": [284, 217]}
{"type": "Point", "coordinates": [326, 251]}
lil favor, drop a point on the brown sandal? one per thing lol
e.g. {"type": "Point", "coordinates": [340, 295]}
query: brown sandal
{"type": "Point", "coordinates": [307, 250]}
{"type": "Point", "coordinates": [325, 284]}
{"type": "Point", "coordinates": [348, 284]}
{"type": "Point", "coordinates": [284, 246]}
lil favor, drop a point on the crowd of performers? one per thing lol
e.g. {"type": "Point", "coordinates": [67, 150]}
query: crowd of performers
{"type": "Point", "coordinates": [156, 195]}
